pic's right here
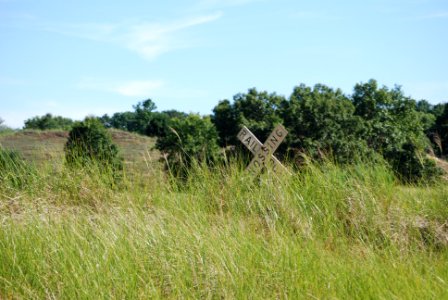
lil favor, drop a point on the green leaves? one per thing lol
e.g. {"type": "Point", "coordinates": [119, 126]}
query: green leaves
{"type": "Point", "coordinates": [189, 140]}
{"type": "Point", "coordinates": [90, 143]}
{"type": "Point", "coordinates": [325, 123]}
{"type": "Point", "coordinates": [48, 121]}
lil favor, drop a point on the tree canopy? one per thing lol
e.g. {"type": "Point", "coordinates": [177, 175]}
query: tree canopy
{"type": "Point", "coordinates": [49, 121]}
{"type": "Point", "coordinates": [323, 123]}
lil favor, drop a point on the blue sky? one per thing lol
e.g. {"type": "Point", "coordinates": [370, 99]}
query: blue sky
{"type": "Point", "coordinates": [75, 58]}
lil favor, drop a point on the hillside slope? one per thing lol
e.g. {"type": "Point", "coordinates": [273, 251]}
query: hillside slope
{"type": "Point", "coordinates": [41, 146]}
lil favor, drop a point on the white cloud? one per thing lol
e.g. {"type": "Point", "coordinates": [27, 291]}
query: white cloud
{"type": "Point", "coordinates": [133, 88]}
{"type": "Point", "coordinates": [148, 39]}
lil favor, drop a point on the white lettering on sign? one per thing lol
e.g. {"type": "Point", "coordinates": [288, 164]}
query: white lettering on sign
{"type": "Point", "coordinates": [263, 152]}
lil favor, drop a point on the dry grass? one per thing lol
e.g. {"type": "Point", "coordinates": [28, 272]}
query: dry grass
{"type": "Point", "coordinates": [42, 146]}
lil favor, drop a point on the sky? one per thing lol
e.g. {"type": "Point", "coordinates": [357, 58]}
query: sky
{"type": "Point", "coordinates": [78, 58]}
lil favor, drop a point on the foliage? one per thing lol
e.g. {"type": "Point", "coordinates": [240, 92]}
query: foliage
{"type": "Point", "coordinates": [143, 120]}
{"type": "Point", "coordinates": [321, 122]}
{"type": "Point", "coordinates": [225, 120]}
{"type": "Point", "coordinates": [135, 121]}
{"type": "Point", "coordinates": [191, 139]}
{"type": "Point", "coordinates": [325, 123]}
{"type": "Point", "coordinates": [395, 127]}
{"type": "Point", "coordinates": [47, 122]}
{"type": "Point", "coordinates": [440, 131]}
{"type": "Point", "coordinates": [256, 110]}
{"type": "Point", "coordinates": [90, 143]}
{"type": "Point", "coordinates": [391, 119]}
{"type": "Point", "coordinates": [412, 166]}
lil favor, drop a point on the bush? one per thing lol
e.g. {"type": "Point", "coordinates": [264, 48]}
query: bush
{"type": "Point", "coordinates": [90, 143]}
{"type": "Point", "coordinates": [412, 165]}
{"type": "Point", "coordinates": [189, 140]}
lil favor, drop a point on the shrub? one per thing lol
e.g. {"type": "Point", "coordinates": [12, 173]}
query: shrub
{"type": "Point", "coordinates": [89, 142]}
{"type": "Point", "coordinates": [190, 139]}
{"type": "Point", "coordinates": [412, 165]}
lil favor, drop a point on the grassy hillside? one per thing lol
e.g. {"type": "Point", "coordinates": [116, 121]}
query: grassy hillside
{"type": "Point", "coordinates": [328, 232]}
{"type": "Point", "coordinates": [42, 146]}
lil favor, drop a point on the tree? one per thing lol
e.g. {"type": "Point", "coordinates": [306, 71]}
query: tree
{"type": "Point", "coordinates": [441, 131]}
{"type": "Point", "coordinates": [90, 143]}
{"type": "Point", "coordinates": [190, 139]}
{"type": "Point", "coordinates": [143, 114]}
{"type": "Point", "coordinates": [321, 121]}
{"type": "Point", "coordinates": [256, 110]}
{"type": "Point", "coordinates": [395, 128]}
{"type": "Point", "coordinates": [225, 119]}
{"type": "Point", "coordinates": [158, 125]}
{"type": "Point", "coordinates": [136, 121]}
{"type": "Point", "coordinates": [123, 121]}
{"type": "Point", "coordinates": [48, 122]}
{"type": "Point", "coordinates": [391, 119]}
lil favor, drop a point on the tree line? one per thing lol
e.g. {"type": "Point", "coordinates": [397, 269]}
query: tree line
{"type": "Point", "coordinates": [374, 122]}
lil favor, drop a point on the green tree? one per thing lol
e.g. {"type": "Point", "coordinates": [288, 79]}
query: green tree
{"type": "Point", "coordinates": [226, 121]}
{"type": "Point", "coordinates": [158, 125]}
{"type": "Point", "coordinates": [441, 131]}
{"type": "Point", "coordinates": [47, 122]}
{"type": "Point", "coordinates": [190, 139]}
{"type": "Point", "coordinates": [90, 143]}
{"type": "Point", "coordinates": [321, 122]}
{"type": "Point", "coordinates": [143, 114]}
{"type": "Point", "coordinates": [123, 121]}
{"type": "Point", "coordinates": [136, 121]}
{"type": "Point", "coordinates": [395, 128]}
{"type": "Point", "coordinates": [259, 111]}
{"type": "Point", "coordinates": [391, 119]}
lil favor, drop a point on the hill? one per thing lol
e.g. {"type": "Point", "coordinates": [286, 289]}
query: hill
{"type": "Point", "coordinates": [43, 146]}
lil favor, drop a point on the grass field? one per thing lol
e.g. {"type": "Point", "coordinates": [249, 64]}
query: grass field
{"type": "Point", "coordinates": [325, 233]}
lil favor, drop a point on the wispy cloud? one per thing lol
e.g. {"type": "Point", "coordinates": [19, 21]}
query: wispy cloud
{"type": "Point", "coordinates": [148, 39]}
{"type": "Point", "coordinates": [133, 88]}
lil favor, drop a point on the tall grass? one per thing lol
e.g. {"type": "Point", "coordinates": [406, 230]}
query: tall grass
{"type": "Point", "coordinates": [327, 232]}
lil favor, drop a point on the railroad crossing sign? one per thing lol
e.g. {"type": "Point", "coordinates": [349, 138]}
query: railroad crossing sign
{"type": "Point", "coordinates": [263, 152]}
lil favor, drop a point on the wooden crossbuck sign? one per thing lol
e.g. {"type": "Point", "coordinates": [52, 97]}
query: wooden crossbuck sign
{"type": "Point", "coordinates": [263, 152]}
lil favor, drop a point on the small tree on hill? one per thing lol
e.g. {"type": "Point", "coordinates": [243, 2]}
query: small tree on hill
{"type": "Point", "coordinates": [89, 142]}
